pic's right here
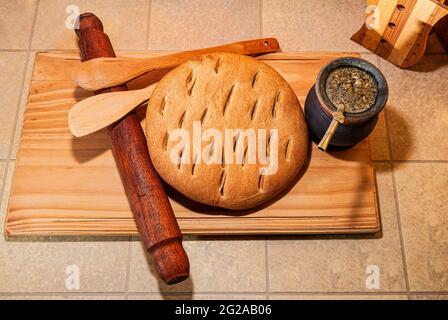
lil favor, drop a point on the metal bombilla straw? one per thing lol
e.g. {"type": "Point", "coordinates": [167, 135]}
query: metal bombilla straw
{"type": "Point", "coordinates": [338, 118]}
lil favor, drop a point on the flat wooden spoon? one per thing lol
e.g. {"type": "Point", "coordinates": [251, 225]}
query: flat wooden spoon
{"type": "Point", "coordinates": [97, 112]}
{"type": "Point", "coordinates": [103, 73]}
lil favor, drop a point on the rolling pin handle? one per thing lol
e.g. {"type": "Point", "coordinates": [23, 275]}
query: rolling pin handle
{"type": "Point", "coordinates": [166, 256]}
{"type": "Point", "coordinates": [94, 23]}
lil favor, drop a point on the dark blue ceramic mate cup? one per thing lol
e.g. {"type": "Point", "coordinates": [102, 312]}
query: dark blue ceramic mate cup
{"type": "Point", "coordinates": [320, 111]}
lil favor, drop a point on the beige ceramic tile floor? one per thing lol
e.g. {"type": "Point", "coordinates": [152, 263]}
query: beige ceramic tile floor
{"type": "Point", "coordinates": [412, 170]}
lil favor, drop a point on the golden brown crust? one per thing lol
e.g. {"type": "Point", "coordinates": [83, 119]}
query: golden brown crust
{"type": "Point", "coordinates": [226, 91]}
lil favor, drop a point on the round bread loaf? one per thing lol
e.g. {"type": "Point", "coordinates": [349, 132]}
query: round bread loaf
{"type": "Point", "coordinates": [226, 130]}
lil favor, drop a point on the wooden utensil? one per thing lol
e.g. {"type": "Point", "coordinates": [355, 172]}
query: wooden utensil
{"type": "Point", "coordinates": [108, 72]}
{"type": "Point", "coordinates": [97, 112]}
{"type": "Point", "coordinates": [152, 211]}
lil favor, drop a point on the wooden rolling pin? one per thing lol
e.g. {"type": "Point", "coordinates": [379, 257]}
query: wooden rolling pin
{"type": "Point", "coordinates": [108, 72]}
{"type": "Point", "coordinates": [150, 206]}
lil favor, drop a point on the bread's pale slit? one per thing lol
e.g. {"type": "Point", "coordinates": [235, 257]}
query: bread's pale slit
{"type": "Point", "coordinates": [190, 90]}
{"type": "Point", "coordinates": [162, 106]}
{"type": "Point", "coordinates": [287, 149]}
{"type": "Point", "coordinates": [254, 109]}
{"type": "Point", "coordinates": [229, 97]}
{"type": "Point", "coordinates": [274, 105]}
{"type": "Point", "coordinates": [222, 182]}
{"type": "Point", "coordinates": [182, 118]}
{"type": "Point", "coordinates": [268, 143]}
{"type": "Point", "coordinates": [223, 160]}
{"type": "Point", "coordinates": [180, 157]}
{"type": "Point", "coordinates": [194, 164]}
{"type": "Point", "coordinates": [254, 79]}
{"type": "Point", "coordinates": [165, 141]}
{"type": "Point", "coordinates": [204, 114]}
{"type": "Point", "coordinates": [261, 182]}
{"type": "Point", "coordinates": [212, 148]}
{"type": "Point", "coordinates": [217, 65]}
{"type": "Point", "coordinates": [244, 156]}
{"type": "Point", "coordinates": [189, 78]}
{"type": "Point", "coordinates": [235, 142]}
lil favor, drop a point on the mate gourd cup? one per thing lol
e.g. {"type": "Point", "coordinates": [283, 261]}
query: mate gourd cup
{"type": "Point", "coordinates": [319, 110]}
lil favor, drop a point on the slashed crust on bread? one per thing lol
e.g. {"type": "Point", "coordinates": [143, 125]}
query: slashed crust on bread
{"type": "Point", "coordinates": [226, 91]}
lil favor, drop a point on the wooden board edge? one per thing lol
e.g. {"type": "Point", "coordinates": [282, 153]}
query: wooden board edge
{"type": "Point", "coordinates": [210, 232]}
{"type": "Point", "coordinates": [375, 188]}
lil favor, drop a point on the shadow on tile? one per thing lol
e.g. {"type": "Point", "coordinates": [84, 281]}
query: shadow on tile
{"type": "Point", "coordinates": [404, 143]}
{"type": "Point", "coordinates": [428, 63]}
{"type": "Point", "coordinates": [186, 286]}
{"type": "Point", "coordinates": [434, 45]}
{"type": "Point", "coordinates": [304, 237]}
{"type": "Point", "coordinates": [366, 236]}
{"type": "Point", "coordinates": [215, 266]}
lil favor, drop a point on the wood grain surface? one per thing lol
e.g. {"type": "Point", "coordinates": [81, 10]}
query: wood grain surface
{"type": "Point", "coordinates": [70, 186]}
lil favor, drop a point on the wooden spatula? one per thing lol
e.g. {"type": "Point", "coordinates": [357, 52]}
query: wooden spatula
{"type": "Point", "coordinates": [97, 112]}
{"type": "Point", "coordinates": [103, 73]}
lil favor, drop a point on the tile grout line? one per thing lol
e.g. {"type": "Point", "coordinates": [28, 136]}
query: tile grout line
{"type": "Point", "coordinates": [397, 207]}
{"type": "Point", "coordinates": [336, 293]}
{"type": "Point", "coordinates": [400, 231]}
{"type": "Point", "coordinates": [13, 50]}
{"type": "Point", "coordinates": [266, 240]}
{"type": "Point", "coordinates": [183, 293]}
{"type": "Point", "coordinates": [148, 23]}
{"type": "Point", "coordinates": [128, 266]}
{"type": "Point", "coordinates": [266, 253]}
{"type": "Point", "coordinates": [291, 293]}
{"type": "Point", "coordinates": [260, 4]}
{"type": "Point", "coordinates": [18, 105]}
{"type": "Point", "coordinates": [62, 293]}
{"type": "Point", "coordinates": [411, 161]}
{"type": "Point", "coordinates": [420, 161]}
{"type": "Point", "coordinates": [22, 87]}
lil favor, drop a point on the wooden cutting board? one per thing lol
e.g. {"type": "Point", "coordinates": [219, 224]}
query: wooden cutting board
{"type": "Point", "coordinates": [68, 186]}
